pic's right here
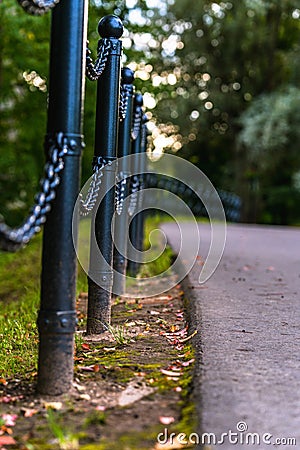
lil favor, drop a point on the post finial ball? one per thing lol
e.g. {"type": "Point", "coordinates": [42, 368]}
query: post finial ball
{"type": "Point", "coordinates": [127, 75]}
{"type": "Point", "coordinates": [110, 26]}
{"type": "Point", "coordinates": [138, 99]}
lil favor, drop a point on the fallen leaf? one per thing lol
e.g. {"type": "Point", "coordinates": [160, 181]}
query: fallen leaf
{"type": "Point", "coordinates": [9, 419]}
{"type": "Point", "coordinates": [170, 373]}
{"type": "Point", "coordinates": [79, 387]}
{"type": "Point", "coordinates": [7, 440]}
{"type": "Point", "coordinates": [189, 337]}
{"type": "Point", "coordinates": [10, 399]}
{"type": "Point", "coordinates": [140, 374]}
{"type": "Point", "coordinates": [175, 368]}
{"type": "Point", "coordinates": [178, 389]}
{"type": "Point", "coordinates": [100, 408]}
{"type": "Point", "coordinates": [188, 363]}
{"type": "Point", "coordinates": [179, 347]}
{"type": "Point", "coordinates": [6, 430]}
{"type": "Point", "coordinates": [85, 346]}
{"type": "Point", "coordinates": [27, 412]}
{"type": "Point", "coordinates": [179, 314]}
{"type": "Point", "coordinates": [53, 405]}
{"type": "Point", "coordinates": [154, 313]}
{"type": "Point", "coordinates": [166, 420]}
{"type": "Point", "coordinates": [130, 324]}
{"type": "Point", "coordinates": [87, 368]}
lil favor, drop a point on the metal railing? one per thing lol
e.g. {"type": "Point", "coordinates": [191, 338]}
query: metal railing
{"type": "Point", "coordinates": [120, 131]}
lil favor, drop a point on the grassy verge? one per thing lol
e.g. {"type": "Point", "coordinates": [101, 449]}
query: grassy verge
{"type": "Point", "coordinates": [141, 347]}
{"type": "Point", "coordinates": [160, 264]}
{"type": "Point", "coordinates": [19, 298]}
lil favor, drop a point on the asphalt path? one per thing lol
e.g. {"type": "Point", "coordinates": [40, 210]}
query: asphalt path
{"type": "Point", "coordinates": [248, 349]}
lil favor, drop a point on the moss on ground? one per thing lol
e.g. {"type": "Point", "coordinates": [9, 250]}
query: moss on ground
{"type": "Point", "coordinates": [98, 364]}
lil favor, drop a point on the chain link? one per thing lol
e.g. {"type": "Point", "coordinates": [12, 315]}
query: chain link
{"type": "Point", "coordinates": [87, 205]}
{"type": "Point", "coordinates": [12, 239]}
{"type": "Point", "coordinates": [136, 125]}
{"type": "Point", "coordinates": [120, 192]}
{"type": "Point", "coordinates": [124, 99]}
{"type": "Point", "coordinates": [95, 70]}
{"type": "Point", "coordinates": [134, 188]}
{"type": "Point", "coordinates": [231, 202]}
{"type": "Point", "coordinates": [37, 7]}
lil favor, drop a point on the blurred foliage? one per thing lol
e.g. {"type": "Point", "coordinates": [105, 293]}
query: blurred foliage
{"type": "Point", "coordinates": [228, 55]}
{"type": "Point", "coordinates": [23, 53]}
{"type": "Point", "coordinates": [270, 137]}
{"type": "Point", "coordinates": [221, 81]}
{"type": "Point", "coordinates": [270, 130]}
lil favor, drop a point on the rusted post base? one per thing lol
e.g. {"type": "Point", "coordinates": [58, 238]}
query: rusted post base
{"type": "Point", "coordinates": [99, 311]}
{"type": "Point", "coordinates": [61, 375]}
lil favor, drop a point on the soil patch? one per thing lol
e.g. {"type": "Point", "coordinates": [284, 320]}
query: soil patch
{"type": "Point", "coordinates": [130, 384]}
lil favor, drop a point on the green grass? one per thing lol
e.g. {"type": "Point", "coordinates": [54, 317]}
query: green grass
{"type": "Point", "coordinates": [164, 261]}
{"type": "Point", "coordinates": [19, 303]}
{"type": "Point", "coordinates": [20, 297]}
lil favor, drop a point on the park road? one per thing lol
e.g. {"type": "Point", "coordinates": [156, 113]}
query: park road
{"type": "Point", "coordinates": [248, 320]}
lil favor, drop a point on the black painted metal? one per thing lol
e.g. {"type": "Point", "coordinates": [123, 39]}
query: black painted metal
{"type": "Point", "coordinates": [13, 239]}
{"type": "Point", "coordinates": [108, 93]}
{"type": "Point", "coordinates": [231, 202]}
{"type": "Point", "coordinates": [57, 316]}
{"type": "Point", "coordinates": [132, 265]}
{"type": "Point", "coordinates": [142, 178]}
{"type": "Point", "coordinates": [121, 216]}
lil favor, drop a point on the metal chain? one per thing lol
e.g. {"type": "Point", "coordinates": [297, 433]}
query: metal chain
{"type": "Point", "coordinates": [12, 239]}
{"type": "Point", "coordinates": [141, 192]}
{"type": "Point", "coordinates": [134, 188]}
{"type": "Point", "coordinates": [120, 192]}
{"type": "Point", "coordinates": [95, 70]}
{"type": "Point", "coordinates": [37, 7]}
{"type": "Point", "coordinates": [87, 204]}
{"type": "Point", "coordinates": [231, 202]}
{"type": "Point", "coordinates": [124, 98]}
{"type": "Point", "coordinates": [136, 125]}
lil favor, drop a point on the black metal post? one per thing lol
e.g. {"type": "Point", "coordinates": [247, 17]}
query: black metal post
{"type": "Point", "coordinates": [121, 216]}
{"type": "Point", "coordinates": [57, 315]}
{"type": "Point", "coordinates": [132, 265]}
{"type": "Point", "coordinates": [105, 151]}
{"type": "Point", "coordinates": [140, 218]}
